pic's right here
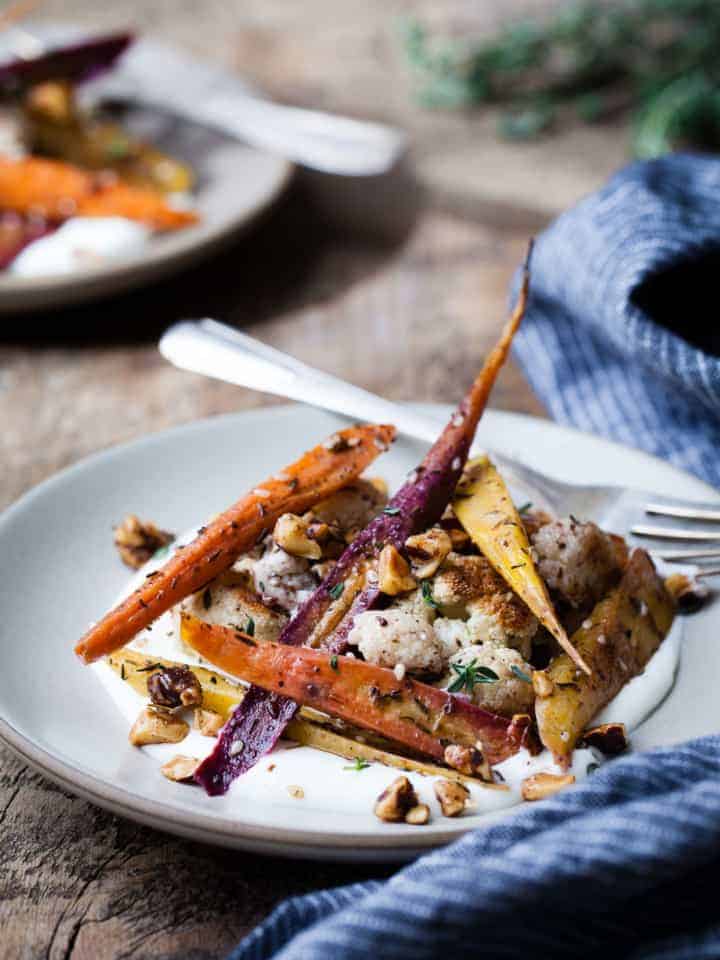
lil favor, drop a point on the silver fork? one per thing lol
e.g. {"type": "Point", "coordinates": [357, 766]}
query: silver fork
{"type": "Point", "coordinates": [216, 350]}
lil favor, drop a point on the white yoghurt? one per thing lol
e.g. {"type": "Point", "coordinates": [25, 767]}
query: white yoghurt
{"type": "Point", "coordinates": [81, 242]}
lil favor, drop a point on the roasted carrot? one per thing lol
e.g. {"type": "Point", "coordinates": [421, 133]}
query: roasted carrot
{"type": "Point", "coordinates": [318, 473]}
{"type": "Point", "coordinates": [45, 187]}
{"type": "Point", "coordinates": [417, 505]}
{"type": "Point", "coordinates": [422, 718]}
{"type": "Point", "coordinates": [57, 190]}
{"type": "Point", "coordinates": [485, 509]}
{"type": "Point", "coordinates": [135, 203]}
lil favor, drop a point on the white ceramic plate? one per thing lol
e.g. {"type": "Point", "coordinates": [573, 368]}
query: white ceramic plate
{"type": "Point", "coordinates": [235, 183]}
{"type": "Point", "coordinates": [59, 572]}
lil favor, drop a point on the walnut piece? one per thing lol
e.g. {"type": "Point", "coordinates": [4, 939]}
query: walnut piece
{"type": "Point", "coordinates": [180, 769]}
{"type": "Point", "coordinates": [396, 801]}
{"type": "Point", "coordinates": [542, 684]}
{"type": "Point", "coordinates": [137, 540]}
{"type": "Point", "coordinates": [468, 760]}
{"type": "Point", "coordinates": [541, 785]}
{"type": "Point", "coordinates": [175, 687]}
{"type": "Point", "coordinates": [609, 738]}
{"type": "Point", "coordinates": [689, 594]}
{"type": "Point", "coordinates": [291, 534]}
{"type": "Point", "coordinates": [394, 572]}
{"type": "Point", "coordinates": [418, 815]}
{"type": "Point", "coordinates": [427, 551]}
{"type": "Point", "coordinates": [208, 722]}
{"type": "Point", "coordinates": [296, 791]}
{"type": "Point", "coordinates": [157, 726]}
{"type": "Point", "coordinates": [452, 796]}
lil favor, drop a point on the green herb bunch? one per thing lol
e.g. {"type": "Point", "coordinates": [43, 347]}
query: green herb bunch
{"type": "Point", "coordinates": [656, 60]}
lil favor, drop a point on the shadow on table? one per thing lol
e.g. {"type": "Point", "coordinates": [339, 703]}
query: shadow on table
{"type": "Point", "coordinates": [323, 236]}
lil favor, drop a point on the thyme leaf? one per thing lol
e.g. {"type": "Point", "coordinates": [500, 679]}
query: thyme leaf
{"type": "Point", "coordinates": [468, 675]}
{"type": "Point", "coordinates": [336, 591]}
{"type": "Point", "coordinates": [520, 674]}
{"type": "Point", "coordinates": [427, 595]}
{"type": "Point", "coordinates": [358, 764]}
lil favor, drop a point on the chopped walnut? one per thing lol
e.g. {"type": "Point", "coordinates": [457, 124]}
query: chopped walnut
{"type": "Point", "coordinates": [468, 760]}
{"type": "Point", "coordinates": [296, 791]}
{"type": "Point", "coordinates": [394, 572]}
{"type": "Point", "coordinates": [427, 551]}
{"type": "Point", "coordinates": [175, 687]}
{"type": "Point", "coordinates": [541, 785]}
{"type": "Point", "coordinates": [418, 815]}
{"type": "Point", "coordinates": [452, 796]}
{"type": "Point", "coordinates": [609, 738]}
{"type": "Point", "coordinates": [689, 594]}
{"type": "Point", "coordinates": [137, 540]}
{"type": "Point", "coordinates": [157, 726]}
{"type": "Point", "coordinates": [291, 533]}
{"type": "Point", "coordinates": [180, 769]}
{"type": "Point", "coordinates": [542, 684]}
{"type": "Point", "coordinates": [208, 723]}
{"type": "Point", "coordinates": [396, 801]}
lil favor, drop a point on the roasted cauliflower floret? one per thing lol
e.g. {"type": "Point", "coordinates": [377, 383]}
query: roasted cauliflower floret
{"type": "Point", "coordinates": [402, 634]}
{"type": "Point", "coordinates": [578, 561]}
{"type": "Point", "coordinates": [507, 695]}
{"type": "Point", "coordinates": [353, 507]}
{"type": "Point", "coordinates": [463, 578]}
{"type": "Point", "coordinates": [279, 577]}
{"type": "Point", "coordinates": [230, 602]}
{"type": "Point", "coordinates": [467, 586]}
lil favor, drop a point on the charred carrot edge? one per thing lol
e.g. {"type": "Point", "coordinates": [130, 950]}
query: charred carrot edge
{"type": "Point", "coordinates": [59, 190]}
{"type": "Point", "coordinates": [420, 717]}
{"type": "Point", "coordinates": [318, 473]}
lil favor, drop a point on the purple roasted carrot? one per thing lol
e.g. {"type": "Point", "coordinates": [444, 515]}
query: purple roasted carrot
{"type": "Point", "coordinates": [76, 62]}
{"type": "Point", "coordinates": [416, 506]}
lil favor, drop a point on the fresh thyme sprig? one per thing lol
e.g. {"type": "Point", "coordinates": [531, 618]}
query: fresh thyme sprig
{"type": "Point", "coordinates": [654, 59]}
{"type": "Point", "coordinates": [468, 675]}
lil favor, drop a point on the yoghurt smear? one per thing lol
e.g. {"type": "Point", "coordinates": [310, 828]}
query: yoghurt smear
{"type": "Point", "coordinates": [81, 242]}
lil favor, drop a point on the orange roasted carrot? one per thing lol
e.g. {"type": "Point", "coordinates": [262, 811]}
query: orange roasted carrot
{"type": "Point", "coordinates": [135, 203]}
{"type": "Point", "coordinates": [57, 190]}
{"type": "Point", "coordinates": [318, 473]}
{"type": "Point", "coordinates": [45, 187]}
{"type": "Point", "coordinates": [414, 714]}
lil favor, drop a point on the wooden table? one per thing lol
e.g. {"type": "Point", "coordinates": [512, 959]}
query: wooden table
{"type": "Point", "coordinates": [407, 315]}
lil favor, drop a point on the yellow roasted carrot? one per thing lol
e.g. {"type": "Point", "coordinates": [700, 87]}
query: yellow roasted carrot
{"type": "Point", "coordinates": [484, 507]}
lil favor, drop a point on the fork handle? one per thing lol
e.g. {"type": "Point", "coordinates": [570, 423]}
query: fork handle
{"type": "Point", "coordinates": [216, 350]}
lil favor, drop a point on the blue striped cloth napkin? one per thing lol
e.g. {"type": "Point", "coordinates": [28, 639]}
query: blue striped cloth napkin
{"type": "Point", "coordinates": [620, 339]}
{"type": "Point", "coordinates": [621, 336]}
